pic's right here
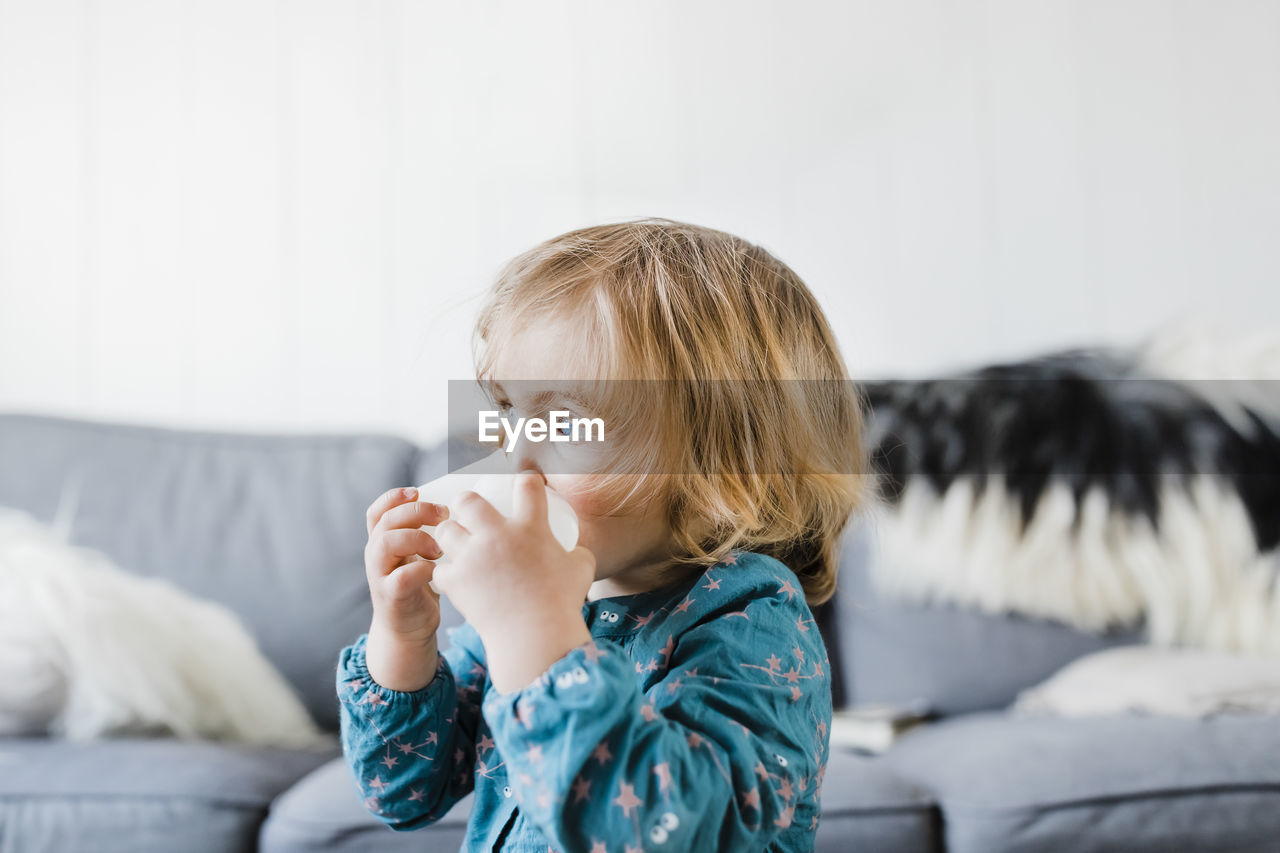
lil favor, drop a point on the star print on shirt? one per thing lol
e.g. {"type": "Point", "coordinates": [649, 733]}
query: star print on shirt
{"type": "Point", "coordinates": [723, 748]}
{"type": "Point", "coordinates": [412, 749]}
{"type": "Point", "coordinates": [524, 712]}
{"type": "Point", "coordinates": [663, 772]}
{"type": "Point", "coordinates": [485, 770]}
{"type": "Point", "coordinates": [372, 698]}
{"type": "Point", "coordinates": [627, 800]}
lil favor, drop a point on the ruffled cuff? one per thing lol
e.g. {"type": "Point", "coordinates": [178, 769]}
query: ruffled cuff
{"type": "Point", "coordinates": [354, 683]}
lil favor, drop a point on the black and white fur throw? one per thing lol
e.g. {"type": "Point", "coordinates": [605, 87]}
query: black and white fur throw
{"type": "Point", "coordinates": [1101, 488]}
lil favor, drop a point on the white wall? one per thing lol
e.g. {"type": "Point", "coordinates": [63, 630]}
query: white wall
{"type": "Point", "coordinates": [278, 215]}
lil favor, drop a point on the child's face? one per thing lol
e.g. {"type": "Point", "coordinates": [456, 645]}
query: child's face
{"type": "Point", "coordinates": [628, 549]}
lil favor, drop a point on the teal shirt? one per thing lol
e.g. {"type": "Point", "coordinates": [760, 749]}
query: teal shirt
{"type": "Point", "coordinates": [697, 718]}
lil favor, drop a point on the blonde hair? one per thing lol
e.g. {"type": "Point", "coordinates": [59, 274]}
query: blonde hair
{"type": "Point", "coordinates": [782, 463]}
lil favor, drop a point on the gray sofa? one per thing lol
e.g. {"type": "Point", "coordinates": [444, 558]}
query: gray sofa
{"type": "Point", "coordinates": [273, 527]}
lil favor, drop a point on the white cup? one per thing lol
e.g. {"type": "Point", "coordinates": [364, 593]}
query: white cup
{"type": "Point", "coordinates": [497, 489]}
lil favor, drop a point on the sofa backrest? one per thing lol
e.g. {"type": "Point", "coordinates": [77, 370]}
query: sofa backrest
{"type": "Point", "coordinates": [950, 659]}
{"type": "Point", "coordinates": [271, 526]}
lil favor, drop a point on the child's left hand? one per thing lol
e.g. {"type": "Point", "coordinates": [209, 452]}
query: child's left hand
{"type": "Point", "coordinates": [515, 584]}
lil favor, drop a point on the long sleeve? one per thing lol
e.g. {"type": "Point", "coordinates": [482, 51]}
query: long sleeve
{"type": "Point", "coordinates": [412, 754]}
{"type": "Point", "coordinates": [724, 749]}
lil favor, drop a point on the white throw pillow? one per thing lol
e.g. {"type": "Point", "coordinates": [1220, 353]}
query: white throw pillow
{"type": "Point", "coordinates": [89, 650]}
{"type": "Point", "coordinates": [1173, 682]}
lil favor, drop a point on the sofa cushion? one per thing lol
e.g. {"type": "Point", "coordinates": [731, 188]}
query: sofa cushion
{"type": "Point", "coordinates": [270, 525]}
{"type": "Point", "coordinates": [864, 807]}
{"type": "Point", "coordinates": [1123, 783]}
{"type": "Point", "coordinates": [952, 659]}
{"type": "Point", "coordinates": [140, 795]}
{"type": "Point", "coordinates": [324, 812]}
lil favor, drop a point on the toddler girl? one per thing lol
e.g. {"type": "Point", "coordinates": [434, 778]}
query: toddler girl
{"type": "Point", "coordinates": [663, 686]}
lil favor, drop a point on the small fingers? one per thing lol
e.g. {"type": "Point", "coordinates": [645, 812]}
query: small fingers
{"type": "Point", "coordinates": [451, 535]}
{"type": "Point", "coordinates": [386, 550]}
{"type": "Point", "coordinates": [386, 501]}
{"type": "Point", "coordinates": [442, 579]}
{"type": "Point", "coordinates": [529, 497]}
{"type": "Point", "coordinates": [409, 579]}
{"type": "Point", "coordinates": [583, 556]}
{"type": "Point", "coordinates": [475, 512]}
{"type": "Point", "coordinates": [411, 514]}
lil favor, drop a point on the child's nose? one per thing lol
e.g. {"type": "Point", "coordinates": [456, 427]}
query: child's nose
{"type": "Point", "coordinates": [532, 467]}
{"type": "Point", "coordinates": [526, 460]}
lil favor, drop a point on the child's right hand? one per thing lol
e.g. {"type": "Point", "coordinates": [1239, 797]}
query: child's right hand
{"type": "Point", "coordinates": [401, 648]}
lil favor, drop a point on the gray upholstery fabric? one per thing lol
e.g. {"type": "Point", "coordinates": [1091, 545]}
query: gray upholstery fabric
{"type": "Point", "coordinates": [140, 795]}
{"type": "Point", "coordinates": [865, 807]}
{"type": "Point", "coordinates": [1126, 783]}
{"type": "Point", "coordinates": [956, 660]}
{"type": "Point", "coordinates": [270, 525]}
{"type": "Point", "coordinates": [323, 812]}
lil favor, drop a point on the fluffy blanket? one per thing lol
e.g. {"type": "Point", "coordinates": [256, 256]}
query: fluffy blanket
{"type": "Point", "coordinates": [88, 650]}
{"type": "Point", "coordinates": [1101, 488]}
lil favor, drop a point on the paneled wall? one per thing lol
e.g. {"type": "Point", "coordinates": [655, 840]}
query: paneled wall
{"type": "Point", "coordinates": [278, 215]}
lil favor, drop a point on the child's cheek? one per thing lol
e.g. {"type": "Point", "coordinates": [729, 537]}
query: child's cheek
{"type": "Point", "coordinates": [589, 508]}
{"type": "Point", "coordinates": [571, 488]}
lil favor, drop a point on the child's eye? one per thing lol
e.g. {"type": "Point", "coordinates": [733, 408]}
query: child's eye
{"type": "Point", "coordinates": [565, 430]}
{"type": "Point", "coordinates": [506, 411]}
